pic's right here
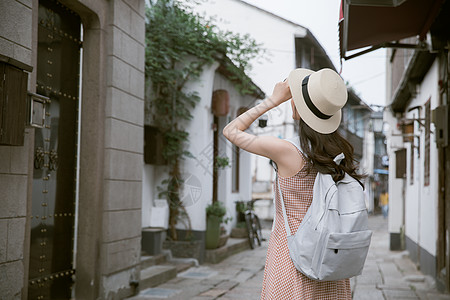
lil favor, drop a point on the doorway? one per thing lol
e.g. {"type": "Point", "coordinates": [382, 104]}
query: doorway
{"type": "Point", "coordinates": [51, 267]}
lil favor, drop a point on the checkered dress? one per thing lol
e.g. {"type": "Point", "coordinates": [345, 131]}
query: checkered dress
{"type": "Point", "coordinates": [282, 281]}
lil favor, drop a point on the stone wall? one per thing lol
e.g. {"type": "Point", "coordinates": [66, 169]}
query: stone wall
{"type": "Point", "coordinates": [15, 43]}
{"type": "Point", "coordinates": [111, 147]}
{"type": "Point", "coordinates": [124, 138]}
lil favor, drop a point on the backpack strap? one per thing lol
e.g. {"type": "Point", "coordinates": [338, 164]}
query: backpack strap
{"type": "Point", "coordinates": [286, 224]}
{"type": "Point", "coordinates": [296, 143]}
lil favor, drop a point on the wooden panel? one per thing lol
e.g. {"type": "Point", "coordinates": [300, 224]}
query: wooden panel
{"type": "Point", "coordinates": [408, 131]}
{"type": "Point", "coordinates": [400, 161]}
{"type": "Point", "coordinates": [13, 105]}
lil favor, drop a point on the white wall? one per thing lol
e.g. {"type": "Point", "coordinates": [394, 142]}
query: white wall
{"type": "Point", "coordinates": [422, 201]}
{"type": "Point", "coordinates": [151, 179]}
{"type": "Point", "coordinates": [276, 36]}
{"type": "Point", "coordinates": [225, 191]}
{"type": "Point", "coordinates": [396, 185]}
{"type": "Point", "coordinates": [200, 146]}
{"type": "Point", "coordinates": [197, 172]}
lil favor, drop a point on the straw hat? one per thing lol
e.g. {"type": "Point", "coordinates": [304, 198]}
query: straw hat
{"type": "Point", "coordinates": [318, 97]}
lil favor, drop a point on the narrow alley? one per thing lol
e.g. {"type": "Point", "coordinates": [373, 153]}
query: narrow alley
{"type": "Point", "coordinates": [387, 275]}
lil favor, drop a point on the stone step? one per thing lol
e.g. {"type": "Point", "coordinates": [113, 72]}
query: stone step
{"type": "Point", "coordinates": [156, 275]}
{"type": "Point", "coordinates": [232, 246]}
{"type": "Point", "coordinates": [183, 266]}
{"type": "Point", "coordinates": [152, 260]}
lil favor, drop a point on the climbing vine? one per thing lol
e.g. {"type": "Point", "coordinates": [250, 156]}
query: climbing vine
{"type": "Point", "coordinates": [179, 44]}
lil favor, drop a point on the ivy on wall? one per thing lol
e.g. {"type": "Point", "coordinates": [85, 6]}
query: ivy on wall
{"type": "Point", "coordinates": [179, 44]}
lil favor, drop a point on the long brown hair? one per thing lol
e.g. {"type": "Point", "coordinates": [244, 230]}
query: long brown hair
{"type": "Point", "coordinates": [320, 149]}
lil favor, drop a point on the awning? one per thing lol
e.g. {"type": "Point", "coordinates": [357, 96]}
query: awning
{"type": "Point", "coordinates": [381, 171]}
{"type": "Point", "coordinates": [365, 23]}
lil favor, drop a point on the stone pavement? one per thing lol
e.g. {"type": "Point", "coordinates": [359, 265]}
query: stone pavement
{"type": "Point", "coordinates": [387, 275]}
{"type": "Point", "coordinates": [391, 274]}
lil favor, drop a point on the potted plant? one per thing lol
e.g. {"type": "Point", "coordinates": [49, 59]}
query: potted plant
{"type": "Point", "coordinates": [215, 216]}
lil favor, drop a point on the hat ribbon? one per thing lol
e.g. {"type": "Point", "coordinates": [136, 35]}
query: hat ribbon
{"type": "Point", "coordinates": [309, 103]}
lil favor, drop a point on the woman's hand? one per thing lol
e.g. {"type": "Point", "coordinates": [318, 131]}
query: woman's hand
{"type": "Point", "coordinates": [281, 93]}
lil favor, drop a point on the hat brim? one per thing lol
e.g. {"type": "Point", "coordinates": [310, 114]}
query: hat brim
{"type": "Point", "coordinates": [320, 125]}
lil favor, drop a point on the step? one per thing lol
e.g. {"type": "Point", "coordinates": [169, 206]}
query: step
{"type": "Point", "coordinates": [232, 246]}
{"type": "Point", "coordinates": [181, 267]}
{"type": "Point", "coordinates": [156, 275]}
{"type": "Point", "coordinates": [152, 260]}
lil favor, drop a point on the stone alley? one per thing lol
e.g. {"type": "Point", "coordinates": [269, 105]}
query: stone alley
{"type": "Point", "coordinates": [387, 275]}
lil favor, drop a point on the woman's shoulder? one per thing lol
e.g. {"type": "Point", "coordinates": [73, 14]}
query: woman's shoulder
{"type": "Point", "coordinates": [295, 141]}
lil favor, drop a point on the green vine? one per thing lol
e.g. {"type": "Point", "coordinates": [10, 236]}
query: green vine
{"type": "Point", "coordinates": [179, 44]}
{"type": "Point", "coordinates": [222, 162]}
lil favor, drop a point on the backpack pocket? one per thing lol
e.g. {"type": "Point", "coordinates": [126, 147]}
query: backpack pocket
{"type": "Point", "coordinates": [342, 256]}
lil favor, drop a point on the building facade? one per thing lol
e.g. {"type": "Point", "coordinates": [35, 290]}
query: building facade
{"type": "Point", "coordinates": [71, 171]}
{"type": "Point", "coordinates": [417, 116]}
{"type": "Point", "coordinates": [201, 180]}
{"type": "Point", "coordinates": [295, 48]}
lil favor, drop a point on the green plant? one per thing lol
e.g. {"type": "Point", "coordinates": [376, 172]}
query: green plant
{"type": "Point", "coordinates": [241, 225]}
{"type": "Point", "coordinates": [179, 44]}
{"type": "Point", "coordinates": [241, 206]}
{"type": "Point", "coordinates": [222, 162]}
{"type": "Point", "coordinates": [219, 210]}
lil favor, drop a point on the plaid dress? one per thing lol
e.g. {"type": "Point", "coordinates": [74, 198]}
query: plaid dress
{"type": "Point", "coordinates": [282, 281]}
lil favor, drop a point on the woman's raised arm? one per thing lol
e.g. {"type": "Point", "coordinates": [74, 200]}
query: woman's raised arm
{"type": "Point", "coordinates": [271, 147]}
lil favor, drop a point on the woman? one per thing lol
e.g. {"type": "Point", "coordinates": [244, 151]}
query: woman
{"type": "Point", "coordinates": [317, 99]}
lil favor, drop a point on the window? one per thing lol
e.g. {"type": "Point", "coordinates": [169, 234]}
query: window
{"type": "Point", "coordinates": [426, 173]}
{"type": "Point", "coordinates": [400, 163]}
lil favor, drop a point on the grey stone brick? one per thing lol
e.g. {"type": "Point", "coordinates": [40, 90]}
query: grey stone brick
{"type": "Point", "coordinates": [124, 106]}
{"type": "Point", "coordinates": [120, 225]}
{"type": "Point", "coordinates": [28, 3]}
{"type": "Point", "coordinates": [14, 195]}
{"type": "Point", "coordinates": [122, 254]}
{"type": "Point", "coordinates": [115, 42]}
{"type": "Point", "coordinates": [122, 165]}
{"type": "Point", "coordinates": [16, 237]}
{"type": "Point", "coordinates": [137, 85]}
{"type": "Point", "coordinates": [122, 195]}
{"type": "Point", "coordinates": [22, 54]}
{"type": "Point", "coordinates": [141, 58]}
{"type": "Point", "coordinates": [11, 280]}
{"type": "Point", "coordinates": [124, 136]}
{"type": "Point", "coordinates": [15, 23]}
{"type": "Point", "coordinates": [6, 47]}
{"type": "Point", "coordinates": [122, 15]}
{"type": "Point", "coordinates": [130, 49]}
{"type": "Point", "coordinates": [19, 157]}
{"type": "Point", "coordinates": [137, 5]}
{"type": "Point", "coordinates": [3, 239]}
{"type": "Point", "coordinates": [5, 158]}
{"type": "Point", "coordinates": [137, 26]}
{"type": "Point", "coordinates": [120, 74]}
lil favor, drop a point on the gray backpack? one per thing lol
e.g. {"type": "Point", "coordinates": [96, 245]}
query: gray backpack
{"type": "Point", "coordinates": [333, 238]}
